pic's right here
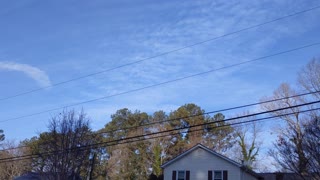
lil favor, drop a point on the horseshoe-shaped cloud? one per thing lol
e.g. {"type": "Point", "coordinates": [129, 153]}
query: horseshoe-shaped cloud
{"type": "Point", "coordinates": [35, 73]}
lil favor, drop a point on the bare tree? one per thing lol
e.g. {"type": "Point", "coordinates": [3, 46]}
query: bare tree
{"type": "Point", "coordinates": [312, 147]}
{"type": "Point", "coordinates": [65, 149]}
{"type": "Point", "coordinates": [309, 81]}
{"type": "Point", "coordinates": [309, 77]}
{"type": "Point", "coordinates": [288, 151]}
{"type": "Point", "coordinates": [11, 169]}
{"type": "Point", "coordinates": [297, 149]}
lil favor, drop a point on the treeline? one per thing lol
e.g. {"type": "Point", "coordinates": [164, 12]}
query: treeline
{"type": "Point", "coordinates": [134, 144]}
{"type": "Point", "coordinates": [71, 149]}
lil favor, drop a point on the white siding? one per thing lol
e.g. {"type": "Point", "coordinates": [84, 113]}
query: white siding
{"type": "Point", "coordinates": [199, 162]}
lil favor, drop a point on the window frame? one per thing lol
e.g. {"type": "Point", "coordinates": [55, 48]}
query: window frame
{"type": "Point", "coordinates": [214, 172]}
{"type": "Point", "coordinates": [184, 174]}
{"type": "Point", "coordinates": [211, 174]}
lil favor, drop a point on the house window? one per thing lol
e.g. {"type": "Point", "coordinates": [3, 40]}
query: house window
{"type": "Point", "coordinates": [217, 175]}
{"type": "Point", "coordinates": [181, 175]}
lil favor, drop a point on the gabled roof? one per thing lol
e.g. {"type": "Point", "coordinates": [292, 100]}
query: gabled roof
{"type": "Point", "coordinates": [204, 148]}
{"type": "Point", "coordinates": [243, 168]}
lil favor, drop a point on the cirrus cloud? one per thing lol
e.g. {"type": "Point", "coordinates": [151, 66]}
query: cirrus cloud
{"type": "Point", "coordinates": [35, 73]}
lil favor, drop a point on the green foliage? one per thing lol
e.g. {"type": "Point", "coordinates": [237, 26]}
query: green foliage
{"type": "Point", "coordinates": [220, 135]}
{"type": "Point", "coordinates": [157, 160]}
{"type": "Point", "coordinates": [249, 154]}
{"type": "Point", "coordinates": [186, 117]}
{"type": "Point", "coordinates": [131, 158]}
{"type": "Point", "coordinates": [139, 159]}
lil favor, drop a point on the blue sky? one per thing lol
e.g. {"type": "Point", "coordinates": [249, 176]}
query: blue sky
{"type": "Point", "coordinates": [46, 42]}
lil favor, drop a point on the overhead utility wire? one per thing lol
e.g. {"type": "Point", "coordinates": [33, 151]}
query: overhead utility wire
{"type": "Point", "coordinates": [164, 53]}
{"type": "Point", "coordinates": [117, 141]}
{"type": "Point", "coordinates": [207, 113]}
{"type": "Point", "coordinates": [226, 120]}
{"type": "Point", "coordinates": [220, 126]}
{"type": "Point", "coordinates": [237, 123]}
{"type": "Point", "coordinates": [191, 116]}
{"type": "Point", "coordinates": [166, 82]}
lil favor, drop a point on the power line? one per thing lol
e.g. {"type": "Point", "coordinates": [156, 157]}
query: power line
{"type": "Point", "coordinates": [225, 125]}
{"type": "Point", "coordinates": [123, 140]}
{"type": "Point", "coordinates": [164, 53]}
{"type": "Point", "coordinates": [230, 119]}
{"type": "Point", "coordinates": [191, 116]}
{"type": "Point", "coordinates": [30, 156]}
{"type": "Point", "coordinates": [167, 82]}
{"type": "Point", "coordinates": [210, 112]}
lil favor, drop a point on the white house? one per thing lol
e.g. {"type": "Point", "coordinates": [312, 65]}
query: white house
{"type": "Point", "coordinates": [202, 163]}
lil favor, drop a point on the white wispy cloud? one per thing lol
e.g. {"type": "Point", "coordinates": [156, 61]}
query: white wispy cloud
{"type": "Point", "coordinates": [199, 21]}
{"type": "Point", "coordinates": [35, 73]}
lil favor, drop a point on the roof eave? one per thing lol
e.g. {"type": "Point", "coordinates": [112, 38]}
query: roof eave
{"type": "Point", "coordinates": [204, 148]}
